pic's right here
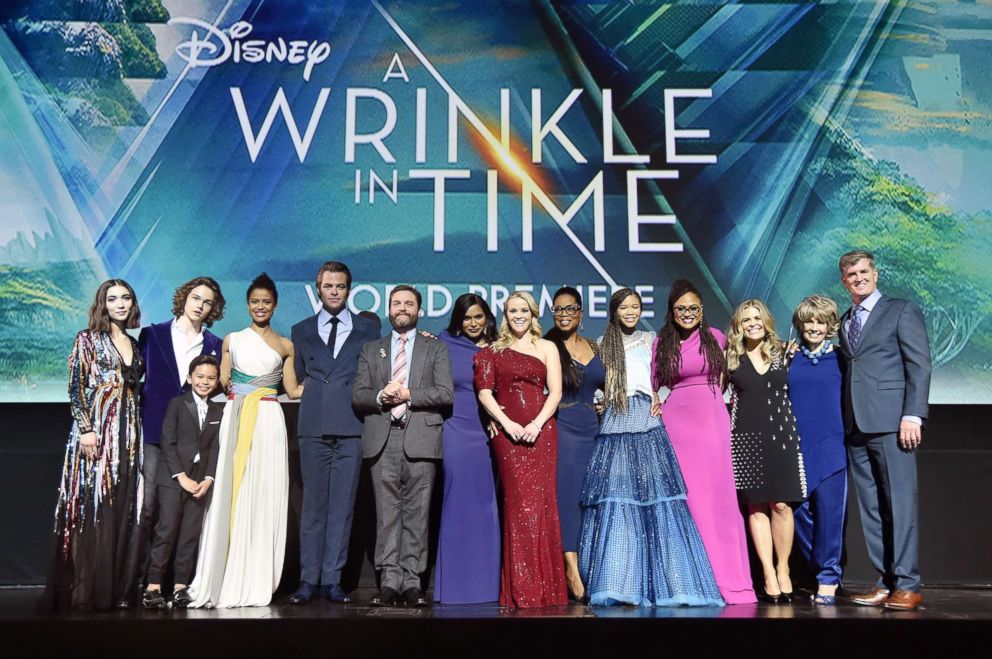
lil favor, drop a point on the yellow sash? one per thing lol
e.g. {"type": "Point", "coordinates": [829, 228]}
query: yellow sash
{"type": "Point", "coordinates": [246, 432]}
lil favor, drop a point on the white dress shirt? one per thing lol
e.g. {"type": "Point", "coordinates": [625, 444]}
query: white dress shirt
{"type": "Point", "coordinates": [184, 349]}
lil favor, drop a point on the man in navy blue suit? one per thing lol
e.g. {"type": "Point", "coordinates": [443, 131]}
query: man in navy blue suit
{"type": "Point", "coordinates": [327, 348]}
{"type": "Point", "coordinates": [167, 349]}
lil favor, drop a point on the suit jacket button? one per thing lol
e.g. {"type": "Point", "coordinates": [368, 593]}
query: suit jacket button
{"type": "Point", "coordinates": [325, 381]}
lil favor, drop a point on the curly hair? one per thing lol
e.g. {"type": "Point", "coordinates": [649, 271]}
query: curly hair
{"type": "Point", "coordinates": [182, 293]}
{"type": "Point", "coordinates": [613, 355]}
{"type": "Point", "coordinates": [668, 360]}
{"type": "Point", "coordinates": [770, 345]}
{"type": "Point", "coordinates": [505, 337]}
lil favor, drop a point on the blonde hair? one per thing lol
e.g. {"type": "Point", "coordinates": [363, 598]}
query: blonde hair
{"type": "Point", "coordinates": [506, 338]}
{"type": "Point", "coordinates": [817, 307]}
{"type": "Point", "coordinates": [770, 345]}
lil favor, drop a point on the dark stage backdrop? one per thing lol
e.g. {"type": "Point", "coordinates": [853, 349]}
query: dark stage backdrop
{"type": "Point", "coordinates": [954, 463]}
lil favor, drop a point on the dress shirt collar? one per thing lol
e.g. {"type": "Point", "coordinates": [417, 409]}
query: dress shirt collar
{"type": "Point", "coordinates": [869, 302]}
{"type": "Point", "coordinates": [410, 335]}
{"type": "Point", "coordinates": [176, 329]}
{"type": "Point", "coordinates": [324, 317]}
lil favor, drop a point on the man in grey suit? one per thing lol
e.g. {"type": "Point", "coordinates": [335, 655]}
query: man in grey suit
{"type": "Point", "coordinates": [886, 356]}
{"type": "Point", "coordinates": [403, 389]}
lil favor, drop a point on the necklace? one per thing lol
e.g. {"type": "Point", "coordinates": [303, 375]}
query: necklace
{"type": "Point", "coordinates": [815, 356]}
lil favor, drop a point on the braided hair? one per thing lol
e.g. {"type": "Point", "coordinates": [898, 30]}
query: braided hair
{"type": "Point", "coordinates": [613, 355]}
{"type": "Point", "coordinates": [668, 360]}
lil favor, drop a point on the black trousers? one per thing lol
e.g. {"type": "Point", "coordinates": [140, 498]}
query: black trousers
{"type": "Point", "coordinates": [180, 521]}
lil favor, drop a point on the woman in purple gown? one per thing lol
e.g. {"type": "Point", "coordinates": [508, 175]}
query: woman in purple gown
{"type": "Point", "coordinates": [467, 569]}
{"type": "Point", "coordinates": [688, 359]}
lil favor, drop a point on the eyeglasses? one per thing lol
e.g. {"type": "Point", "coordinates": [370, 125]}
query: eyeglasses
{"type": "Point", "coordinates": [691, 310]}
{"type": "Point", "coordinates": [570, 310]}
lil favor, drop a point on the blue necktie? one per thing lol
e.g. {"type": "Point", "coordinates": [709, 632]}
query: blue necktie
{"type": "Point", "coordinates": [854, 329]}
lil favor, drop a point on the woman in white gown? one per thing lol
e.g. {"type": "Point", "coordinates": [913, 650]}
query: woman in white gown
{"type": "Point", "coordinates": [244, 536]}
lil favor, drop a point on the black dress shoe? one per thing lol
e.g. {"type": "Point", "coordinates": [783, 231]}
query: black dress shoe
{"type": "Point", "coordinates": [304, 594]}
{"type": "Point", "coordinates": [333, 593]}
{"type": "Point", "coordinates": [181, 598]}
{"type": "Point", "coordinates": [152, 599]}
{"type": "Point", "coordinates": [385, 597]}
{"type": "Point", "coordinates": [416, 598]}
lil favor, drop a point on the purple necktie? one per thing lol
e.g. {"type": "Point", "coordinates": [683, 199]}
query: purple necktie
{"type": "Point", "coordinates": [854, 329]}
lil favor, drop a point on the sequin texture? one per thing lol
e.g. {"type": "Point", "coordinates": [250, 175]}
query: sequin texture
{"type": "Point", "coordinates": [532, 573]}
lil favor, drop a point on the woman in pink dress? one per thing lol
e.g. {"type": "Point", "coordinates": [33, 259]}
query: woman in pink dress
{"type": "Point", "coordinates": [688, 359]}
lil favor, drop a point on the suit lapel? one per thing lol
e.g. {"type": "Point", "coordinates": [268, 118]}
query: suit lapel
{"type": "Point", "coordinates": [355, 338]}
{"type": "Point", "coordinates": [385, 363]}
{"type": "Point", "coordinates": [417, 361]}
{"type": "Point", "coordinates": [873, 319]}
{"type": "Point", "coordinates": [845, 345]}
{"type": "Point", "coordinates": [191, 406]}
{"type": "Point", "coordinates": [163, 337]}
{"type": "Point", "coordinates": [214, 413]}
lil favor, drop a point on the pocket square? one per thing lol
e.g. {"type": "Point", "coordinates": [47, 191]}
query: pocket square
{"type": "Point", "coordinates": [214, 423]}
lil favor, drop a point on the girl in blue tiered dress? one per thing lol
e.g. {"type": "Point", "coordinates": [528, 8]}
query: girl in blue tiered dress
{"type": "Point", "coordinates": [639, 544]}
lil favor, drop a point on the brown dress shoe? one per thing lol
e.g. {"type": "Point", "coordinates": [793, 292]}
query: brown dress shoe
{"type": "Point", "coordinates": [903, 600]}
{"type": "Point", "coordinates": [874, 597]}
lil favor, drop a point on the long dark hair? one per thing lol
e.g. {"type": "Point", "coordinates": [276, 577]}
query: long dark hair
{"type": "Point", "coordinates": [571, 376]}
{"type": "Point", "coordinates": [462, 304]}
{"type": "Point", "coordinates": [99, 319]}
{"type": "Point", "coordinates": [613, 355]}
{"type": "Point", "coordinates": [668, 359]}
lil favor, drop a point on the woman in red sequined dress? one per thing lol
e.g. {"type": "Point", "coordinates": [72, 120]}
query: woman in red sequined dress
{"type": "Point", "coordinates": [511, 376]}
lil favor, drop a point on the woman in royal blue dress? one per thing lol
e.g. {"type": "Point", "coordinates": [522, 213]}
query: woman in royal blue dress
{"type": "Point", "coordinates": [639, 544]}
{"type": "Point", "coordinates": [582, 374]}
{"type": "Point", "coordinates": [467, 568]}
{"type": "Point", "coordinates": [815, 383]}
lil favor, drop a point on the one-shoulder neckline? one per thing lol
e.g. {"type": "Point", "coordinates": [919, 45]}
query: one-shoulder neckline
{"type": "Point", "coordinates": [526, 355]}
{"type": "Point", "coordinates": [263, 341]}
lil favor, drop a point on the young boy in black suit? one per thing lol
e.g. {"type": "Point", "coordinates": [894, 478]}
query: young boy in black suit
{"type": "Point", "coordinates": [189, 447]}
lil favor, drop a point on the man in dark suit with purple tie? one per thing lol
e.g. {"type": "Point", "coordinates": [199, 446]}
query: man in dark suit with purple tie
{"type": "Point", "coordinates": [329, 432]}
{"type": "Point", "coordinates": [886, 353]}
{"type": "Point", "coordinates": [167, 349]}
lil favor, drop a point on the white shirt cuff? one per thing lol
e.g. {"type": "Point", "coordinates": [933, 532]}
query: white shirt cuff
{"type": "Point", "coordinates": [912, 419]}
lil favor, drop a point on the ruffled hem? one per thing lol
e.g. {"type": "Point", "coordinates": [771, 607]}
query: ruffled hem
{"type": "Point", "coordinates": [610, 598]}
{"type": "Point", "coordinates": [633, 467]}
{"type": "Point", "coordinates": [645, 555]}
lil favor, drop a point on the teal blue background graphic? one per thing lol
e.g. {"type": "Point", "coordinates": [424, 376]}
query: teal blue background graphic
{"type": "Point", "coordinates": [832, 127]}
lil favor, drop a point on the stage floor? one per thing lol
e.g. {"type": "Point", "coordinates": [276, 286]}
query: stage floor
{"type": "Point", "coordinates": [957, 620]}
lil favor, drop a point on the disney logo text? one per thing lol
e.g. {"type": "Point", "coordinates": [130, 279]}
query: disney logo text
{"type": "Point", "coordinates": [230, 45]}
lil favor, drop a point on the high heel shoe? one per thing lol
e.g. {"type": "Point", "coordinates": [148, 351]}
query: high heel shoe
{"type": "Point", "coordinates": [763, 596]}
{"type": "Point", "coordinates": [786, 597]}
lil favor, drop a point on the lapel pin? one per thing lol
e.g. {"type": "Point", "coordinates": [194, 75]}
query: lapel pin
{"type": "Point", "coordinates": [382, 353]}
